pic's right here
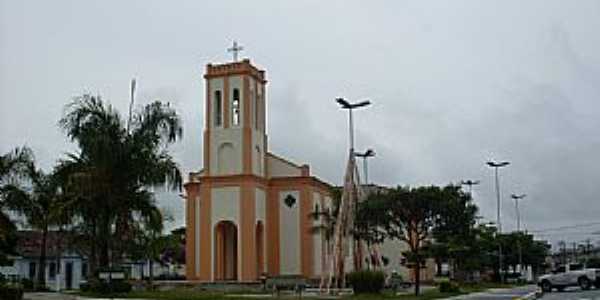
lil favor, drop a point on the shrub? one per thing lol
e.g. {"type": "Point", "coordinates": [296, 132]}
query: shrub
{"type": "Point", "coordinates": [103, 287]}
{"type": "Point", "coordinates": [27, 284]}
{"type": "Point", "coordinates": [11, 292]}
{"type": "Point", "coordinates": [366, 281]}
{"type": "Point", "coordinates": [449, 287]}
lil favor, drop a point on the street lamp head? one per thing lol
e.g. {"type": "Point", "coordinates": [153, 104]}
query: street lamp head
{"type": "Point", "coordinates": [516, 197]}
{"type": "Point", "coordinates": [497, 164]}
{"type": "Point", "coordinates": [361, 104]}
{"type": "Point", "coordinates": [370, 152]}
{"type": "Point", "coordinates": [345, 104]}
{"type": "Point", "coordinates": [470, 182]}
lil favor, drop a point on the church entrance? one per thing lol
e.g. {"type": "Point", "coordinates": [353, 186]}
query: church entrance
{"type": "Point", "coordinates": [260, 249]}
{"type": "Point", "coordinates": [226, 251]}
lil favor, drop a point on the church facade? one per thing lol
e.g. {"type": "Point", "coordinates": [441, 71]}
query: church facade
{"type": "Point", "coordinates": [248, 211]}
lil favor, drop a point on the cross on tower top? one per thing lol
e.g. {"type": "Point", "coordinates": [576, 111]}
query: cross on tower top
{"type": "Point", "coordinates": [235, 49]}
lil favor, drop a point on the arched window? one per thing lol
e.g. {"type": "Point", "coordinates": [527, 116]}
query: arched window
{"type": "Point", "coordinates": [316, 212]}
{"type": "Point", "coordinates": [218, 109]}
{"type": "Point", "coordinates": [235, 109]}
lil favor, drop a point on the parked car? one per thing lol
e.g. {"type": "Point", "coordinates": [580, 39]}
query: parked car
{"type": "Point", "coordinates": [570, 275]}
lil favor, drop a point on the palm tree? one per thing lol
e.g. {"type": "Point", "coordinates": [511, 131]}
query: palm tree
{"type": "Point", "coordinates": [13, 167]}
{"type": "Point", "coordinates": [41, 203]}
{"type": "Point", "coordinates": [110, 174]}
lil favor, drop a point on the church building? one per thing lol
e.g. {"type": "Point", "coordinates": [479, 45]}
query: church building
{"type": "Point", "coordinates": [248, 211]}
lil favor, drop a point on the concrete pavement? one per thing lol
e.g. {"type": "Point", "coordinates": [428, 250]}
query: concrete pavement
{"type": "Point", "coordinates": [573, 294]}
{"type": "Point", "coordinates": [522, 292]}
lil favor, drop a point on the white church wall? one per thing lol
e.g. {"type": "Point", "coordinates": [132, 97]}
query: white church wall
{"type": "Point", "coordinates": [289, 241]}
{"type": "Point", "coordinates": [226, 162]}
{"type": "Point", "coordinates": [392, 249]}
{"type": "Point", "coordinates": [227, 208]}
{"type": "Point", "coordinates": [280, 168]}
{"type": "Point", "coordinates": [261, 205]}
{"type": "Point", "coordinates": [258, 153]}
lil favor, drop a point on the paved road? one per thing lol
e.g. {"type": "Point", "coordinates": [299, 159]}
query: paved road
{"type": "Point", "coordinates": [500, 294]}
{"type": "Point", "coordinates": [573, 294]}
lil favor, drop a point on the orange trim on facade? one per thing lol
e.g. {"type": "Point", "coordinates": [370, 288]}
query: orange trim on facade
{"type": "Point", "coordinates": [205, 232]}
{"type": "Point", "coordinates": [247, 144]}
{"type": "Point", "coordinates": [247, 230]}
{"type": "Point", "coordinates": [190, 232]}
{"type": "Point", "coordinates": [272, 228]}
{"type": "Point", "coordinates": [243, 67]}
{"type": "Point", "coordinates": [306, 238]}
{"type": "Point", "coordinates": [226, 102]}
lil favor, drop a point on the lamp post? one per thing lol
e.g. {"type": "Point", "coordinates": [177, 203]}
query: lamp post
{"type": "Point", "coordinates": [350, 107]}
{"type": "Point", "coordinates": [496, 165]}
{"type": "Point", "coordinates": [470, 183]}
{"type": "Point", "coordinates": [517, 198]}
{"type": "Point", "coordinates": [365, 156]}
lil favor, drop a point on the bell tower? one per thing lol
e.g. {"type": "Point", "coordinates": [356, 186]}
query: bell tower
{"type": "Point", "coordinates": [235, 139]}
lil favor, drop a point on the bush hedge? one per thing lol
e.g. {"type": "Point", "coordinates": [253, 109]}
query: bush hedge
{"type": "Point", "coordinates": [449, 287]}
{"type": "Point", "coordinates": [103, 287]}
{"type": "Point", "coordinates": [11, 292]}
{"type": "Point", "coordinates": [366, 281]}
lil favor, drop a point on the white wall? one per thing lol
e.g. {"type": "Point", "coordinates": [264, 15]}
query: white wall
{"type": "Point", "coordinates": [225, 207]}
{"type": "Point", "coordinates": [289, 239]}
{"type": "Point", "coordinates": [279, 168]}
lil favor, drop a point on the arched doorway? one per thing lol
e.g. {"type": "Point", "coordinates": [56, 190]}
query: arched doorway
{"type": "Point", "coordinates": [226, 251]}
{"type": "Point", "coordinates": [260, 248]}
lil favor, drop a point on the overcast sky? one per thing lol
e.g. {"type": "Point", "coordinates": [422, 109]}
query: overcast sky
{"type": "Point", "coordinates": [454, 83]}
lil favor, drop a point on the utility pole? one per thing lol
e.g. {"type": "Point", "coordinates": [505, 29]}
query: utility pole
{"type": "Point", "coordinates": [496, 165]}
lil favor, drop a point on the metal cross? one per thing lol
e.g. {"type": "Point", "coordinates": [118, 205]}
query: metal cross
{"type": "Point", "coordinates": [235, 49]}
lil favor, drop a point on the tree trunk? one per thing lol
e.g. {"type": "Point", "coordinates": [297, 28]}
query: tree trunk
{"type": "Point", "coordinates": [417, 269]}
{"type": "Point", "coordinates": [438, 264]}
{"type": "Point", "coordinates": [41, 278]}
{"type": "Point", "coordinates": [151, 271]}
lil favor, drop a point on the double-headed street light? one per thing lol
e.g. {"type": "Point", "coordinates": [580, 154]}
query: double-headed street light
{"type": "Point", "coordinates": [517, 198]}
{"type": "Point", "coordinates": [351, 106]}
{"type": "Point", "coordinates": [496, 165]}
{"type": "Point", "coordinates": [470, 183]}
{"type": "Point", "coordinates": [365, 156]}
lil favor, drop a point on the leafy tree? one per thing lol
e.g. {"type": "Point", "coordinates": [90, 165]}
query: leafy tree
{"type": "Point", "coordinates": [368, 226]}
{"type": "Point", "coordinates": [116, 163]}
{"type": "Point", "coordinates": [454, 232]}
{"type": "Point", "coordinates": [410, 216]}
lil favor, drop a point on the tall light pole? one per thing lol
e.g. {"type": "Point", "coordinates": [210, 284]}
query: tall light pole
{"type": "Point", "coordinates": [470, 183]}
{"type": "Point", "coordinates": [350, 107]}
{"type": "Point", "coordinates": [365, 156]}
{"type": "Point", "coordinates": [517, 198]}
{"type": "Point", "coordinates": [496, 165]}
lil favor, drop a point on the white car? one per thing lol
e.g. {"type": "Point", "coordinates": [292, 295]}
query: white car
{"type": "Point", "coordinates": [570, 275]}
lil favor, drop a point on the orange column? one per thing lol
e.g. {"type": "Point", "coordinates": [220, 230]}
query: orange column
{"type": "Point", "coordinates": [272, 228]}
{"type": "Point", "coordinates": [205, 233]}
{"type": "Point", "coordinates": [190, 232]}
{"type": "Point", "coordinates": [247, 230]}
{"type": "Point", "coordinates": [247, 147]}
{"type": "Point", "coordinates": [306, 239]}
